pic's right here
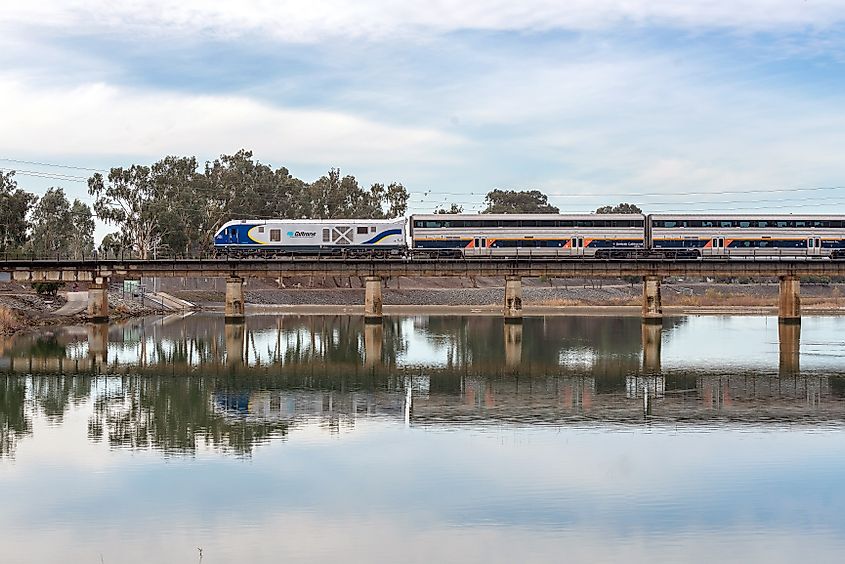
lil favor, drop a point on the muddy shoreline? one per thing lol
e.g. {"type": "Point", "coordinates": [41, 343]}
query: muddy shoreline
{"type": "Point", "coordinates": [21, 310]}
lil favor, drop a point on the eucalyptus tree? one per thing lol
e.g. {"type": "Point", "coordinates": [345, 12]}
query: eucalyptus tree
{"type": "Point", "coordinates": [336, 196]}
{"type": "Point", "coordinates": [127, 199]}
{"type": "Point", "coordinates": [82, 223]}
{"type": "Point", "coordinates": [52, 224]}
{"type": "Point", "coordinates": [620, 208]}
{"type": "Point", "coordinates": [512, 201]}
{"type": "Point", "coordinates": [15, 204]}
{"type": "Point", "coordinates": [61, 227]}
{"type": "Point", "coordinates": [454, 208]}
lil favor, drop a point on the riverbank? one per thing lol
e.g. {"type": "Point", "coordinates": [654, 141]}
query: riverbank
{"type": "Point", "coordinates": [21, 308]}
{"type": "Point", "coordinates": [583, 299]}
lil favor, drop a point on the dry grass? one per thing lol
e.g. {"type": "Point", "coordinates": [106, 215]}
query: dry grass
{"type": "Point", "coordinates": [9, 322]}
{"type": "Point", "coordinates": [564, 302]}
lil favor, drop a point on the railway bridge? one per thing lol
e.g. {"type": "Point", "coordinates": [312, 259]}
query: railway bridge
{"type": "Point", "coordinates": [375, 271]}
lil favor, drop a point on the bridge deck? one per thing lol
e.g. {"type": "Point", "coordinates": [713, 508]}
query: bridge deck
{"type": "Point", "coordinates": [80, 270]}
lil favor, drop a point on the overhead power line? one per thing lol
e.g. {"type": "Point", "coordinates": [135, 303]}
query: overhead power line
{"type": "Point", "coordinates": [632, 197]}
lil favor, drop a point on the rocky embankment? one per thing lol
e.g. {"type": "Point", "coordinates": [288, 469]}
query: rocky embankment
{"type": "Point", "coordinates": [21, 308]}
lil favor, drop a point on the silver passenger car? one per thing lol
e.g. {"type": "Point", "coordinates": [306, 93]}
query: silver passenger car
{"type": "Point", "coordinates": [526, 234]}
{"type": "Point", "coordinates": [750, 235]}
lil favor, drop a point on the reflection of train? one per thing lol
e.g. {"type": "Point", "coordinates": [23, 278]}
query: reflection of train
{"type": "Point", "coordinates": [600, 236]}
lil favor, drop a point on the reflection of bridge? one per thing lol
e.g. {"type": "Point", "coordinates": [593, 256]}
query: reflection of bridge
{"type": "Point", "coordinates": [374, 271]}
{"type": "Point", "coordinates": [342, 345]}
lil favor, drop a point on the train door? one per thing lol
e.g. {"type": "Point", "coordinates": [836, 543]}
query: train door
{"type": "Point", "coordinates": [480, 243]}
{"type": "Point", "coordinates": [718, 245]}
{"type": "Point", "coordinates": [814, 245]}
{"type": "Point", "coordinates": [577, 246]}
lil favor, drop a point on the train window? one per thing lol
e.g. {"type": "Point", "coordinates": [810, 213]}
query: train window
{"type": "Point", "coordinates": [725, 224]}
{"type": "Point", "coordinates": [362, 230]}
{"type": "Point", "coordinates": [327, 235]}
{"type": "Point", "coordinates": [261, 229]}
{"type": "Point", "coordinates": [669, 224]}
{"type": "Point", "coordinates": [800, 224]}
{"type": "Point", "coordinates": [275, 235]}
{"type": "Point", "coordinates": [745, 224]}
{"type": "Point", "coordinates": [528, 223]}
{"type": "Point", "coordinates": [819, 224]}
{"type": "Point", "coordinates": [781, 224]}
{"type": "Point", "coordinates": [763, 224]}
{"type": "Point", "coordinates": [373, 229]}
{"type": "Point", "coordinates": [707, 224]}
{"type": "Point", "coordinates": [418, 224]}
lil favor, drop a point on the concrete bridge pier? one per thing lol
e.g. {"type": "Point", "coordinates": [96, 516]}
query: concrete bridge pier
{"type": "Point", "coordinates": [98, 300]}
{"type": "Point", "coordinates": [789, 338]}
{"type": "Point", "coordinates": [234, 307]}
{"type": "Point", "coordinates": [513, 299]}
{"type": "Point", "coordinates": [373, 344]}
{"type": "Point", "coordinates": [372, 299]}
{"type": "Point", "coordinates": [652, 303]}
{"type": "Point", "coordinates": [513, 344]}
{"type": "Point", "coordinates": [789, 302]}
{"type": "Point", "coordinates": [652, 338]}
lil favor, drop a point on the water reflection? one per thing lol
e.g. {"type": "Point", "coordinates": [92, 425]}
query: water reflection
{"type": "Point", "coordinates": [172, 384]}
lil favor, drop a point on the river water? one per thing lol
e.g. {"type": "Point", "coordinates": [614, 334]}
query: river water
{"type": "Point", "coordinates": [427, 439]}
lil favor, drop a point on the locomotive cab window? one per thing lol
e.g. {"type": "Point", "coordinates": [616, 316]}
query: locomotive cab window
{"type": "Point", "coordinates": [275, 235]}
{"type": "Point", "coordinates": [327, 236]}
{"type": "Point", "coordinates": [362, 230]}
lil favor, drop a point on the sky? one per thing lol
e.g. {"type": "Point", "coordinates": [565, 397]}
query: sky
{"type": "Point", "coordinates": [699, 105]}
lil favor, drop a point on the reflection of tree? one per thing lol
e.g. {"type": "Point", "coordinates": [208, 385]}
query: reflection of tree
{"type": "Point", "coordinates": [14, 422]}
{"type": "Point", "coordinates": [174, 415]}
{"type": "Point", "coordinates": [54, 394]}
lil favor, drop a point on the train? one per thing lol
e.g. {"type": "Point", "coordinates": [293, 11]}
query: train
{"type": "Point", "coordinates": [601, 236]}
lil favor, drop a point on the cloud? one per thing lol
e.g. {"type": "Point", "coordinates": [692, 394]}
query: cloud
{"type": "Point", "coordinates": [99, 118]}
{"type": "Point", "coordinates": [308, 21]}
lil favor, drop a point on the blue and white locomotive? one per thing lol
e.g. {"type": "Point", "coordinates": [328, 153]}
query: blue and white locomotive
{"type": "Point", "coordinates": [379, 236]}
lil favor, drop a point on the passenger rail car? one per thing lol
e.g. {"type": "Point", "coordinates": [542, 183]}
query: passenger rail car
{"type": "Point", "coordinates": [474, 235]}
{"type": "Point", "coordinates": [750, 236]}
{"type": "Point", "coordinates": [312, 236]}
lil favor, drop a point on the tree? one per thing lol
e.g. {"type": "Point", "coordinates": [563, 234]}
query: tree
{"type": "Point", "coordinates": [52, 224]}
{"type": "Point", "coordinates": [333, 196]}
{"type": "Point", "coordinates": [620, 208]}
{"type": "Point", "coordinates": [394, 198]}
{"type": "Point", "coordinates": [113, 245]}
{"type": "Point", "coordinates": [181, 206]}
{"type": "Point", "coordinates": [455, 208]}
{"type": "Point", "coordinates": [82, 233]}
{"type": "Point", "coordinates": [128, 200]}
{"type": "Point", "coordinates": [15, 204]}
{"type": "Point", "coordinates": [511, 201]}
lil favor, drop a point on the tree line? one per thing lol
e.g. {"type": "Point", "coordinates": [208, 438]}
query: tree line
{"type": "Point", "coordinates": [44, 226]}
{"type": "Point", "coordinates": [529, 201]}
{"type": "Point", "coordinates": [176, 205]}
